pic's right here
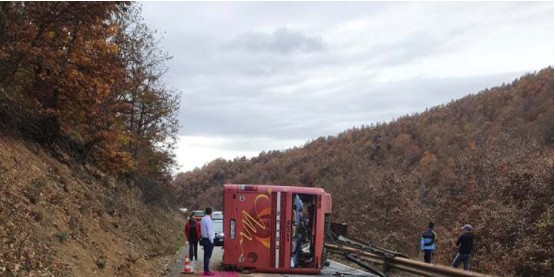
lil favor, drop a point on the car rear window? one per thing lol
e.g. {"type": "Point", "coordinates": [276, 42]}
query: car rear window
{"type": "Point", "coordinates": [217, 215]}
{"type": "Point", "coordinates": [198, 213]}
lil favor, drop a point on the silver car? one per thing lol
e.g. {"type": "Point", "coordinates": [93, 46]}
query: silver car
{"type": "Point", "coordinates": [219, 230]}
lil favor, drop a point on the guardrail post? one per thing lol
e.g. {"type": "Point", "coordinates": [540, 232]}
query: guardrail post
{"type": "Point", "coordinates": [387, 261]}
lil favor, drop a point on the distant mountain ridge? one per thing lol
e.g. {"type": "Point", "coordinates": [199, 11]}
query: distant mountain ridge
{"type": "Point", "coordinates": [485, 159]}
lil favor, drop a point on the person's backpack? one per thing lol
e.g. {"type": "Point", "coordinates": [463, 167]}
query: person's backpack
{"type": "Point", "coordinates": [193, 230]}
{"type": "Point", "coordinates": [427, 240]}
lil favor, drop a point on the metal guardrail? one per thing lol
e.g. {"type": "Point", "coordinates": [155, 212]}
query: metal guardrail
{"type": "Point", "coordinates": [390, 259]}
{"type": "Point", "coordinates": [369, 248]}
{"type": "Point", "coordinates": [365, 265]}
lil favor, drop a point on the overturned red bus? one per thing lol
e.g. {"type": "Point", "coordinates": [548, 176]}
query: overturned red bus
{"type": "Point", "coordinates": [275, 228]}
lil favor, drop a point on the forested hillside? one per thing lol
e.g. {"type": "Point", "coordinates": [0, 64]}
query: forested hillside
{"type": "Point", "coordinates": [485, 159]}
{"type": "Point", "coordinates": [86, 137]}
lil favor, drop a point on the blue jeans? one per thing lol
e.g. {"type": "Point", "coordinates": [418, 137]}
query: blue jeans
{"type": "Point", "coordinates": [208, 247]}
{"type": "Point", "coordinates": [465, 258]}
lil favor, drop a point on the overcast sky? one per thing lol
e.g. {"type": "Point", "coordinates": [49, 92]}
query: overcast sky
{"type": "Point", "coordinates": [259, 76]}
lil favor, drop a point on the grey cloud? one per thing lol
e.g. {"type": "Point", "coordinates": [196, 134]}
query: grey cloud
{"type": "Point", "coordinates": [305, 118]}
{"type": "Point", "coordinates": [283, 41]}
{"type": "Point", "coordinates": [416, 46]}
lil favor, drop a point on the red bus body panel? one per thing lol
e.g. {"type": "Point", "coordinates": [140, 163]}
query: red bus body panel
{"type": "Point", "coordinates": [258, 227]}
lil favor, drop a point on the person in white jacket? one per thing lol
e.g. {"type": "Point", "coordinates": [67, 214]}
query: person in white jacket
{"type": "Point", "coordinates": [207, 239]}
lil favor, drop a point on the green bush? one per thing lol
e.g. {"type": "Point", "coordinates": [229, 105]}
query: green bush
{"type": "Point", "coordinates": [61, 237]}
{"type": "Point", "coordinates": [101, 263]}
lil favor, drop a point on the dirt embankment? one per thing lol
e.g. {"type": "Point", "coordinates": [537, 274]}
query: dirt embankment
{"type": "Point", "coordinates": [60, 219]}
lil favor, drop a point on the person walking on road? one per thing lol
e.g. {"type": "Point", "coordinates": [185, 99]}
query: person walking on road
{"type": "Point", "coordinates": [207, 239]}
{"type": "Point", "coordinates": [192, 234]}
{"type": "Point", "coordinates": [428, 243]}
{"type": "Point", "coordinates": [465, 243]}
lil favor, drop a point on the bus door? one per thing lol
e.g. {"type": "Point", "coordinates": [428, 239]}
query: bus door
{"type": "Point", "coordinates": [303, 234]}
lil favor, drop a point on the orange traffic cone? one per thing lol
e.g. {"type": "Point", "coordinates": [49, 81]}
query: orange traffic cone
{"type": "Point", "coordinates": [187, 269]}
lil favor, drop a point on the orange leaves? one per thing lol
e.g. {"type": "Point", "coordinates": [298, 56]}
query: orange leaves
{"type": "Point", "coordinates": [84, 69]}
{"type": "Point", "coordinates": [428, 159]}
{"type": "Point", "coordinates": [61, 60]}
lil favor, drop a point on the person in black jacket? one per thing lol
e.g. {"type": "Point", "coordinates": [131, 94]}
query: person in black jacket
{"type": "Point", "coordinates": [465, 243]}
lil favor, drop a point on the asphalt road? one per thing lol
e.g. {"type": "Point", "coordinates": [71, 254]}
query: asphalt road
{"type": "Point", "coordinates": [335, 269]}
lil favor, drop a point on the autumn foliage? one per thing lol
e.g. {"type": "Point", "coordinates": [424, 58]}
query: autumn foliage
{"type": "Point", "coordinates": [85, 76]}
{"type": "Point", "coordinates": [485, 159]}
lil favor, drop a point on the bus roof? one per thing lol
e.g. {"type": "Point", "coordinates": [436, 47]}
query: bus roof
{"type": "Point", "coordinates": [273, 188]}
